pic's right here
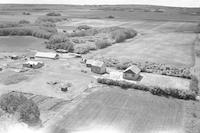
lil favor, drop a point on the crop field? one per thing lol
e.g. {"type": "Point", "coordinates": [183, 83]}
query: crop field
{"type": "Point", "coordinates": [124, 112]}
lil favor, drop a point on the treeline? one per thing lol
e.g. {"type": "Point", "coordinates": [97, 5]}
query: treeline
{"type": "Point", "coordinates": [99, 38]}
{"type": "Point", "coordinates": [177, 93]}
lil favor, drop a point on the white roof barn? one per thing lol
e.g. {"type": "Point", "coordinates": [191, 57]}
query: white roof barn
{"type": "Point", "coordinates": [46, 55]}
{"type": "Point", "coordinates": [133, 69]}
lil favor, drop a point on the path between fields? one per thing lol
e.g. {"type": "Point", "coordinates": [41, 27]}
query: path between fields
{"type": "Point", "coordinates": [113, 110]}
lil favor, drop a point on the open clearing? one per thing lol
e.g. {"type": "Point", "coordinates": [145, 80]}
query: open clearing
{"type": "Point", "coordinates": [112, 109]}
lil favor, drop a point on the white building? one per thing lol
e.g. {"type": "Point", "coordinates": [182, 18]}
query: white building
{"type": "Point", "coordinates": [33, 64]}
{"type": "Point", "coordinates": [48, 55]}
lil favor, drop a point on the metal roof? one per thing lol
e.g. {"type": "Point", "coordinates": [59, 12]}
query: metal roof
{"type": "Point", "coordinates": [134, 69]}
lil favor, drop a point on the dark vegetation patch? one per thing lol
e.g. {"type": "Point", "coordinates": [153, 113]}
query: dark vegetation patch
{"type": "Point", "coordinates": [44, 27]}
{"type": "Point", "coordinates": [53, 14]}
{"type": "Point", "coordinates": [24, 109]}
{"type": "Point", "coordinates": [181, 94]}
{"type": "Point", "coordinates": [86, 38]}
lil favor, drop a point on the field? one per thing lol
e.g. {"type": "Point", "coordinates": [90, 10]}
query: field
{"type": "Point", "coordinates": [115, 110]}
{"type": "Point", "coordinates": [167, 37]}
{"type": "Point", "coordinates": [20, 44]}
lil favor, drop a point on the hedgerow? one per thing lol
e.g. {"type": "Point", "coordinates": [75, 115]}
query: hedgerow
{"type": "Point", "coordinates": [181, 94]}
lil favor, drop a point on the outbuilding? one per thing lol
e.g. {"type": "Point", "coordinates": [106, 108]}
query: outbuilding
{"type": "Point", "coordinates": [48, 55]}
{"type": "Point", "coordinates": [131, 73]}
{"type": "Point", "coordinates": [33, 64]}
{"type": "Point", "coordinates": [89, 62]}
{"type": "Point", "coordinates": [98, 67]}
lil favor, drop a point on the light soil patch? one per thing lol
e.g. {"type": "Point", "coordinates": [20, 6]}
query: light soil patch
{"type": "Point", "coordinates": [167, 48]}
{"type": "Point", "coordinates": [165, 81]}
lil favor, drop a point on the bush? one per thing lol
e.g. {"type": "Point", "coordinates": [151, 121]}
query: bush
{"type": "Point", "coordinates": [11, 101]}
{"type": "Point", "coordinates": [28, 112]}
{"type": "Point", "coordinates": [25, 31]}
{"type": "Point", "coordinates": [182, 94]}
{"type": "Point", "coordinates": [111, 17]}
{"type": "Point", "coordinates": [100, 44]}
{"type": "Point", "coordinates": [84, 27]}
{"type": "Point", "coordinates": [51, 19]}
{"type": "Point", "coordinates": [58, 38]}
{"type": "Point", "coordinates": [83, 48]}
{"type": "Point", "coordinates": [26, 13]}
{"type": "Point", "coordinates": [25, 110]}
{"type": "Point", "coordinates": [24, 22]}
{"type": "Point", "coordinates": [53, 14]}
{"type": "Point", "coordinates": [68, 45]}
{"type": "Point", "coordinates": [122, 34]}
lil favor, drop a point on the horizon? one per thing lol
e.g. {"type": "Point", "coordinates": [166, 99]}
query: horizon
{"type": "Point", "coordinates": [168, 3]}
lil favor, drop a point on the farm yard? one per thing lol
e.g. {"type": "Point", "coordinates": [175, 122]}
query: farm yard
{"type": "Point", "coordinates": [66, 89]}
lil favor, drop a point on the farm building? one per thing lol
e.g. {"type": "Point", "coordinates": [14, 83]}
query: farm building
{"type": "Point", "coordinates": [46, 55]}
{"type": "Point", "coordinates": [98, 67]}
{"type": "Point", "coordinates": [14, 57]}
{"type": "Point", "coordinates": [131, 73]}
{"type": "Point", "coordinates": [33, 64]}
{"type": "Point", "coordinates": [89, 62]}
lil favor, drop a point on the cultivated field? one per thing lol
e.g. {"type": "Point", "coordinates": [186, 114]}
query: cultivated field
{"type": "Point", "coordinates": [115, 110]}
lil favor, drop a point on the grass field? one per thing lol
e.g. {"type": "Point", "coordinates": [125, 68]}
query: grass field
{"type": "Point", "coordinates": [20, 43]}
{"type": "Point", "coordinates": [168, 48]}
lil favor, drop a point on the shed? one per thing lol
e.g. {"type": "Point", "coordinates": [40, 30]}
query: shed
{"type": "Point", "coordinates": [131, 73]}
{"type": "Point", "coordinates": [33, 64]}
{"type": "Point", "coordinates": [89, 62]}
{"type": "Point", "coordinates": [48, 55]}
{"type": "Point", "coordinates": [98, 67]}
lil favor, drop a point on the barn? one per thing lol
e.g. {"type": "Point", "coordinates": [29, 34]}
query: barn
{"type": "Point", "coordinates": [48, 55]}
{"type": "Point", "coordinates": [89, 62]}
{"type": "Point", "coordinates": [33, 64]}
{"type": "Point", "coordinates": [131, 73]}
{"type": "Point", "coordinates": [98, 67]}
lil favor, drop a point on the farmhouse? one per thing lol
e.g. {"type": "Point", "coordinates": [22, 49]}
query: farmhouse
{"type": "Point", "coordinates": [33, 64]}
{"type": "Point", "coordinates": [131, 73]}
{"type": "Point", "coordinates": [46, 55]}
{"type": "Point", "coordinates": [98, 67]}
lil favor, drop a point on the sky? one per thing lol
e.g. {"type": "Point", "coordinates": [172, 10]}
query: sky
{"type": "Point", "coordinates": [177, 3]}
